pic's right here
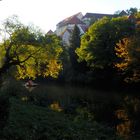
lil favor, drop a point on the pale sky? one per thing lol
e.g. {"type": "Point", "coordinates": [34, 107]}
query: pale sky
{"type": "Point", "coordinates": [47, 13]}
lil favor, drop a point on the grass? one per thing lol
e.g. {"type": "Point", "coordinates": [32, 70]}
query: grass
{"type": "Point", "coordinates": [30, 122]}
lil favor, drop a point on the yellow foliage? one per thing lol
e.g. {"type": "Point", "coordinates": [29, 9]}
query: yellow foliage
{"type": "Point", "coordinates": [124, 128]}
{"type": "Point", "coordinates": [128, 49]}
{"type": "Point", "coordinates": [29, 53]}
{"type": "Point", "coordinates": [53, 68]}
{"type": "Point", "coordinates": [2, 55]}
{"type": "Point", "coordinates": [25, 98]}
{"type": "Point", "coordinates": [56, 107]}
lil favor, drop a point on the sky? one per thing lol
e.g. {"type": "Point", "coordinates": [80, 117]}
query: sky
{"type": "Point", "coordinates": [47, 13]}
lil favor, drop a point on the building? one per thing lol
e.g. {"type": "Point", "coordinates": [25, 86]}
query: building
{"type": "Point", "coordinates": [69, 23]}
{"type": "Point", "coordinates": [92, 17]}
{"type": "Point", "coordinates": [65, 27]}
{"type": "Point", "coordinates": [50, 32]}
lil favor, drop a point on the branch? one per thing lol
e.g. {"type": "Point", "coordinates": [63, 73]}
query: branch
{"type": "Point", "coordinates": [31, 55]}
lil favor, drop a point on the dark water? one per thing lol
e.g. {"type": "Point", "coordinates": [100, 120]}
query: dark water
{"type": "Point", "coordinates": [119, 110]}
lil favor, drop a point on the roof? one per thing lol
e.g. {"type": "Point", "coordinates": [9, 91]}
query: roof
{"type": "Point", "coordinates": [50, 32]}
{"type": "Point", "coordinates": [70, 20]}
{"type": "Point", "coordinates": [123, 13]}
{"type": "Point", "coordinates": [96, 15]}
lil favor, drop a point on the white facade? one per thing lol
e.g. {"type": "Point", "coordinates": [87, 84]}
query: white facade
{"type": "Point", "coordinates": [60, 30]}
{"type": "Point", "coordinates": [66, 38]}
{"type": "Point", "coordinates": [65, 27]}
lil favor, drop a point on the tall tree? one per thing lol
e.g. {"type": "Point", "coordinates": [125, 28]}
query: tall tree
{"type": "Point", "coordinates": [74, 44]}
{"type": "Point", "coordinates": [27, 52]}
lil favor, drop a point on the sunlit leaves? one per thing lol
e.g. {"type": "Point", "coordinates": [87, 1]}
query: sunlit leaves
{"type": "Point", "coordinates": [2, 55]}
{"type": "Point", "coordinates": [122, 52]}
{"type": "Point", "coordinates": [53, 68]}
{"type": "Point", "coordinates": [97, 45]}
{"type": "Point", "coordinates": [128, 50]}
{"type": "Point", "coordinates": [43, 61]}
{"type": "Point", "coordinates": [30, 52]}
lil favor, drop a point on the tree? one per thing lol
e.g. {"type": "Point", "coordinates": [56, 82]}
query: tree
{"type": "Point", "coordinates": [74, 44]}
{"type": "Point", "coordinates": [78, 68]}
{"type": "Point", "coordinates": [27, 52]}
{"type": "Point", "coordinates": [132, 11]}
{"type": "Point", "coordinates": [98, 44]}
{"type": "Point", "coordinates": [128, 50]}
{"type": "Point", "coordinates": [98, 49]}
{"type": "Point", "coordinates": [72, 69]}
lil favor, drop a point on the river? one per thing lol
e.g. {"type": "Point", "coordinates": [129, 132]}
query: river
{"type": "Point", "coordinates": [119, 110]}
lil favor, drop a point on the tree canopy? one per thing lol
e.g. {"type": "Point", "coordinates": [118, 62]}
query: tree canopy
{"type": "Point", "coordinates": [27, 52]}
{"type": "Point", "coordinates": [98, 44]}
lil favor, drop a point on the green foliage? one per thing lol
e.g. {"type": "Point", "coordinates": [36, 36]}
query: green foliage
{"type": "Point", "coordinates": [83, 114]}
{"type": "Point", "coordinates": [132, 11]}
{"type": "Point", "coordinates": [29, 52]}
{"type": "Point", "coordinates": [137, 15]}
{"type": "Point", "coordinates": [97, 45]}
{"type": "Point", "coordinates": [28, 121]}
{"type": "Point", "coordinates": [75, 38]}
{"type": "Point", "coordinates": [75, 43]}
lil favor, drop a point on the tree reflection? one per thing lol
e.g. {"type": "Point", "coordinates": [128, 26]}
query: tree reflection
{"type": "Point", "coordinates": [128, 117]}
{"type": "Point", "coordinates": [56, 106]}
{"type": "Point", "coordinates": [125, 125]}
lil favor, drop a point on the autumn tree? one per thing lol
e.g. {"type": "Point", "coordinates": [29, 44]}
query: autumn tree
{"type": "Point", "coordinates": [28, 53]}
{"type": "Point", "coordinates": [128, 50]}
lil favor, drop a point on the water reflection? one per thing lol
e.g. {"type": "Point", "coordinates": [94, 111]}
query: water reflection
{"type": "Point", "coordinates": [30, 88]}
{"type": "Point", "coordinates": [56, 106]}
{"type": "Point", "coordinates": [118, 110]}
{"type": "Point", "coordinates": [124, 127]}
{"type": "Point", "coordinates": [128, 116]}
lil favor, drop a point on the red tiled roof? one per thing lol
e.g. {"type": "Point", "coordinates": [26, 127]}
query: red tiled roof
{"type": "Point", "coordinates": [70, 20]}
{"type": "Point", "coordinates": [50, 32]}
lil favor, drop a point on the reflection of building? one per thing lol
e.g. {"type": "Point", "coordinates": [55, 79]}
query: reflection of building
{"type": "Point", "coordinates": [65, 27]}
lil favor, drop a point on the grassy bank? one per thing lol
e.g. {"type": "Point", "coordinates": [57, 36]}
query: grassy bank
{"type": "Point", "coordinates": [30, 122]}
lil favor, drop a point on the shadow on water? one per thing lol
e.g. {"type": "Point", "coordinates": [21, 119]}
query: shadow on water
{"type": "Point", "coordinates": [118, 110]}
